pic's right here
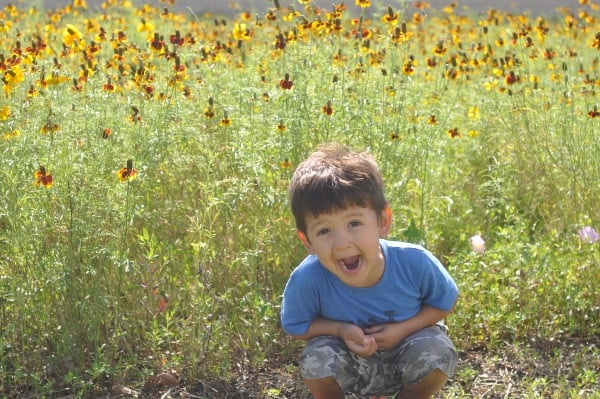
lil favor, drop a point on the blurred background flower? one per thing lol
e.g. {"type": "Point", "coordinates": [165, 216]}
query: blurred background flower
{"type": "Point", "coordinates": [478, 244]}
{"type": "Point", "coordinates": [588, 235]}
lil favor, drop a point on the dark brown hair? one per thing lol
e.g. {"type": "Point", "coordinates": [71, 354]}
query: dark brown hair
{"type": "Point", "coordinates": [334, 178]}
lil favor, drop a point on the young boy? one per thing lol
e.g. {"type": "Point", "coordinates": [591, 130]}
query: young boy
{"type": "Point", "coordinates": [370, 309]}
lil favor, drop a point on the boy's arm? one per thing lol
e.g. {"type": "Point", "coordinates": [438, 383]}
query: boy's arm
{"type": "Point", "coordinates": [389, 335]}
{"type": "Point", "coordinates": [354, 337]}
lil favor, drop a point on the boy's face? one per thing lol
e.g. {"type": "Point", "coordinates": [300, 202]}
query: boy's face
{"type": "Point", "coordinates": [347, 243]}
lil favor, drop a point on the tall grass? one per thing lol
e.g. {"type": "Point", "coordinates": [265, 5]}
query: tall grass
{"type": "Point", "coordinates": [481, 124]}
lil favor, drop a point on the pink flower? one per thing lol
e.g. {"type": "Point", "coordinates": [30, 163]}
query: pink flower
{"type": "Point", "coordinates": [588, 235]}
{"type": "Point", "coordinates": [478, 244]}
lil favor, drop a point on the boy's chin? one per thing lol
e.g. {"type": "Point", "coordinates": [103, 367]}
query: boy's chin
{"type": "Point", "coordinates": [352, 277]}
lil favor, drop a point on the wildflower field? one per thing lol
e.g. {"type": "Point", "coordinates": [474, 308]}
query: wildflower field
{"type": "Point", "coordinates": [145, 236]}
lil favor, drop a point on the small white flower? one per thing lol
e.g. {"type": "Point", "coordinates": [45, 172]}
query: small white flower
{"type": "Point", "coordinates": [478, 244]}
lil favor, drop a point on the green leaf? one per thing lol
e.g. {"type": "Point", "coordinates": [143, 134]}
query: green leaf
{"type": "Point", "coordinates": [413, 235]}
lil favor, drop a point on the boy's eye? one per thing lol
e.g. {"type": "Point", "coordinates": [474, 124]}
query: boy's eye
{"type": "Point", "coordinates": [322, 232]}
{"type": "Point", "coordinates": [354, 223]}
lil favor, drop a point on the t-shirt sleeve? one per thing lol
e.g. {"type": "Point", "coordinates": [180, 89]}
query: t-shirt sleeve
{"type": "Point", "coordinates": [300, 303]}
{"type": "Point", "coordinates": [437, 286]}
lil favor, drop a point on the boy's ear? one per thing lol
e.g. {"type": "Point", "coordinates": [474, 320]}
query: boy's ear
{"type": "Point", "coordinates": [385, 224]}
{"type": "Point", "coordinates": [305, 242]}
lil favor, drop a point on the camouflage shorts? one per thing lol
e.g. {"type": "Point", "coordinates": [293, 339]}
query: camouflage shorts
{"type": "Point", "coordinates": [384, 373]}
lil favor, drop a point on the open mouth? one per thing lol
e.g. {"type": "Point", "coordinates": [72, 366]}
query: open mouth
{"type": "Point", "coordinates": [351, 263]}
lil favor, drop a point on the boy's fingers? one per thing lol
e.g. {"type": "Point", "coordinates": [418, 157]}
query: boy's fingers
{"type": "Point", "coordinates": [374, 329]}
{"type": "Point", "coordinates": [367, 347]}
{"type": "Point", "coordinates": [371, 346]}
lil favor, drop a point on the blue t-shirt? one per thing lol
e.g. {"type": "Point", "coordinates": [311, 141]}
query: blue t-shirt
{"type": "Point", "coordinates": [412, 277]}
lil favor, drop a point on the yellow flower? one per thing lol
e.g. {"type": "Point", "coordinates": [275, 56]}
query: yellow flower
{"type": "Point", "coordinates": [450, 8]}
{"type": "Point", "coordinates": [13, 76]}
{"type": "Point", "coordinates": [473, 113]}
{"type": "Point", "coordinates": [241, 32]}
{"type": "Point", "coordinates": [4, 113]}
{"type": "Point", "coordinates": [290, 16]}
{"type": "Point", "coordinates": [363, 3]}
{"type": "Point", "coordinates": [209, 112]}
{"type": "Point", "coordinates": [286, 164]}
{"type": "Point", "coordinates": [490, 85]}
{"type": "Point", "coordinates": [400, 34]}
{"type": "Point", "coordinates": [5, 25]}
{"type": "Point", "coordinates": [246, 16]}
{"type": "Point", "coordinates": [54, 79]}
{"type": "Point", "coordinates": [49, 128]}
{"type": "Point", "coordinates": [409, 67]}
{"type": "Point", "coordinates": [390, 17]}
{"type": "Point", "coordinates": [11, 135]}
{"type": "Point", "coordinates": [72, 37]}
{"type": "Point", "coordinates": [127, 172]}
{"type": "Point", "coordinates": [225, 122]}
{"type": "Point", "coordinates": [281, 126]}
{"type": "Point", "coordinates": [145, 26]}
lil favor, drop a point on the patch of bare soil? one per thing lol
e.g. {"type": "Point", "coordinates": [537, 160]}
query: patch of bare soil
{"type": "Point", "coordinates": [506, 373]}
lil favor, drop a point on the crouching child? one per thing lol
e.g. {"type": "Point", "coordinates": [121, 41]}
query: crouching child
{"type": "Point", "coordinates": [369, 309]}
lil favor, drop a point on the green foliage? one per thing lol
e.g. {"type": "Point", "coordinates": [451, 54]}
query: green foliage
{"type": "Point", "coordinates": [526, 291]}
{"type": "Point", "coordinates": [104, 281]}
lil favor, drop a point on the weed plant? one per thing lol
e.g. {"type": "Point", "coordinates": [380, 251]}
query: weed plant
{"type": "Point", "coordinates": [145, 157]}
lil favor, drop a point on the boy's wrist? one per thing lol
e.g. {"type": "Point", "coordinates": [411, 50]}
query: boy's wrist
{"type": "Point", "coordinates": [343, 329]}
{"type": "Point", "coordinates": [321, 326]}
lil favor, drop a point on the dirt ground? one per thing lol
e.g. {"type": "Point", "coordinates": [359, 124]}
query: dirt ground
{"type": "Point", "coordinates": [505, 374]}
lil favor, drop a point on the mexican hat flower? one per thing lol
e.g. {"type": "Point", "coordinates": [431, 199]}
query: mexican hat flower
{"type": "Point", "coordinates": [42, 177]}
{"type": "Point", "coordinates": [73, 38]}
{"type": "Point", "coordinates": [127, 172]}
{"type": "Point", "coordinates": [241, 32]}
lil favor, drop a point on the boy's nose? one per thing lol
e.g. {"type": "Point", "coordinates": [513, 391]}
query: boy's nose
{"type": "Point", "coordinates": [342, 239]}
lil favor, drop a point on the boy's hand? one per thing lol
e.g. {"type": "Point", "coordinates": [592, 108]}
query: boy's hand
{"type": "Point", "coordinates": [357, 341]}
{"type": "Point", "coordinates": [387, 336]}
